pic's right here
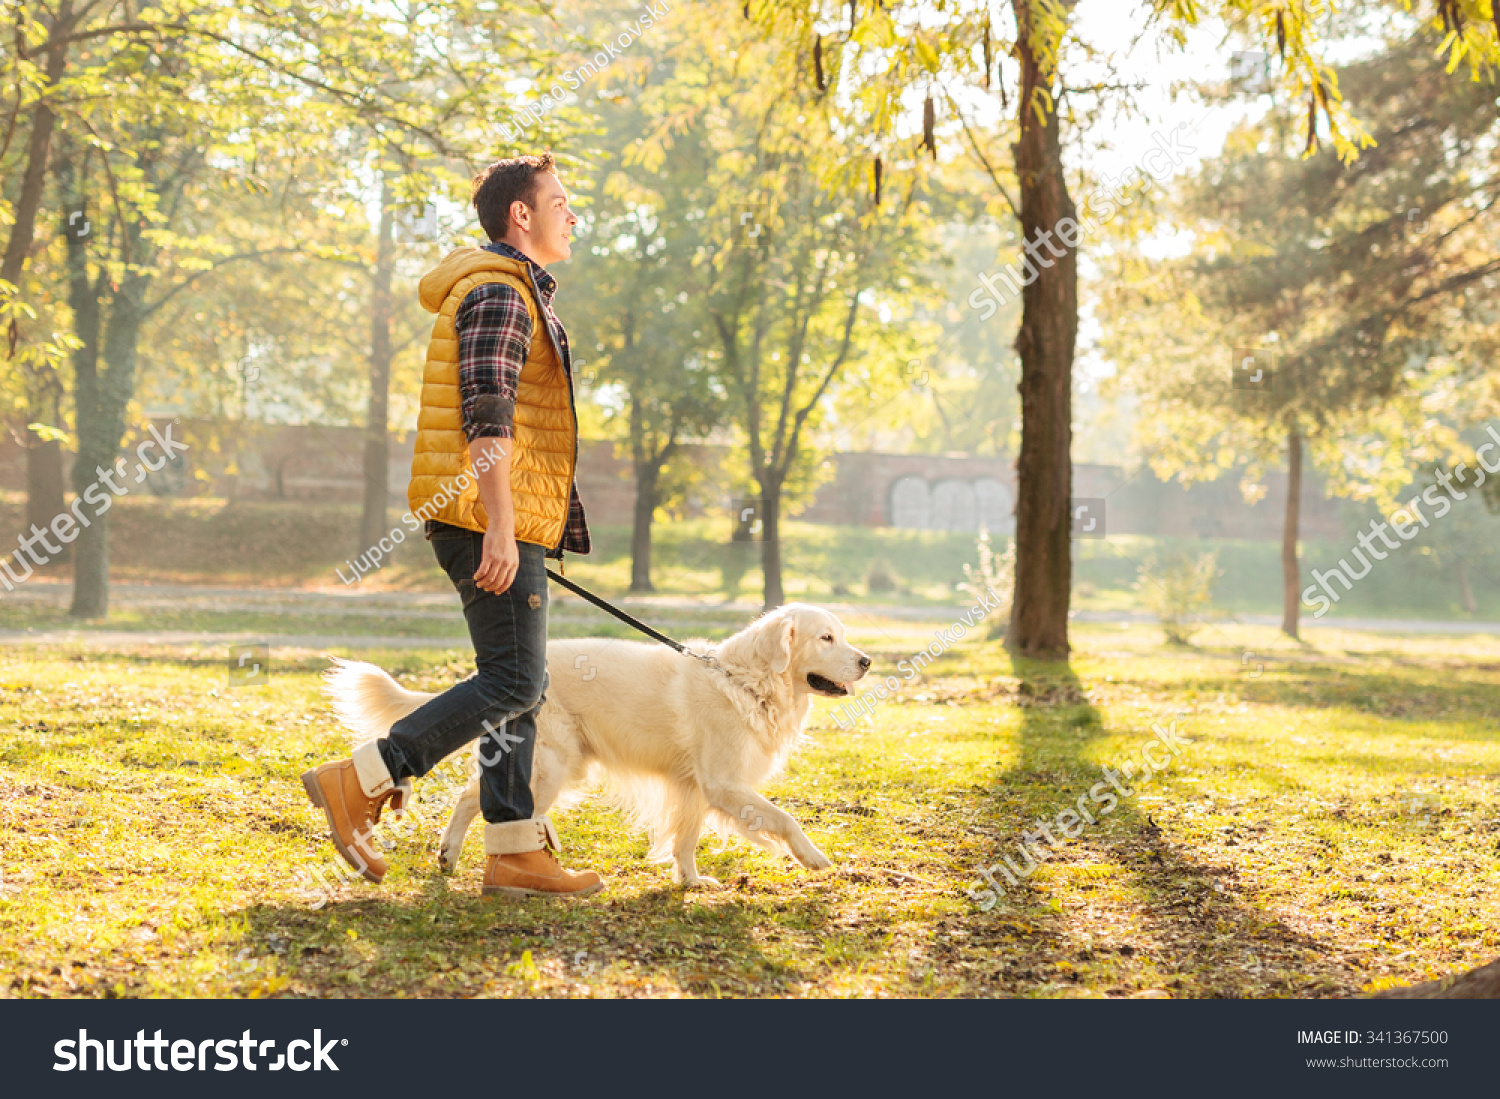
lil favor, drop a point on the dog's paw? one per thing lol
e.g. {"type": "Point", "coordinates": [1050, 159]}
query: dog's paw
{"type": "Point", "coordinates": [446, 862]}
{"type": "Point", "coordinates": [815, 860]}
{"type": "Point", "coordinates": [708, 885]}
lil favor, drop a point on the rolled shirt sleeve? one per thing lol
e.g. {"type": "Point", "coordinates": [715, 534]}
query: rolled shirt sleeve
{"type": "Point", "coordinates": [494, 336]}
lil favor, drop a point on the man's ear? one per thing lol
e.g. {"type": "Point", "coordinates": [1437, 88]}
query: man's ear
{"type": "Point", "coordinates": [776, 644]}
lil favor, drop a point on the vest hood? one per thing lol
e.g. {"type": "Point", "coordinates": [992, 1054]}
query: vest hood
{"type": "Point", "coordinates": [457, 265]}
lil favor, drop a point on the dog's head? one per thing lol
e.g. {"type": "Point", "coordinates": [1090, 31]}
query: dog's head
{"type": "Point", "coordinates": [807, 643]}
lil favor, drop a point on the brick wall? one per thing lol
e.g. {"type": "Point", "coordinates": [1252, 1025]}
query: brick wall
{"type": "Point", "coordinates": [931, 491]}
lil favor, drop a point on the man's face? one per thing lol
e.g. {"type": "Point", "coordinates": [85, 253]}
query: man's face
{"type": "Point", "coordinates": [545, 229]}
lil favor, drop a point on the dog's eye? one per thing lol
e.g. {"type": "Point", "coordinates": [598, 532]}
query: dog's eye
{"type": "Point", "coordinates": [828, 637]}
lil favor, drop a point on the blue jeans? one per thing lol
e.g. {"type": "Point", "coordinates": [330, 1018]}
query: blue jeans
{"type": "Point", "coordinates": [500, 701]}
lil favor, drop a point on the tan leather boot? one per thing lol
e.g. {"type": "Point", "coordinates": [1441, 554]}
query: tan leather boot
{"type": "Point", "coordinates": [521, 863]}
{"type": "Point", "coordinates": [351, 793]}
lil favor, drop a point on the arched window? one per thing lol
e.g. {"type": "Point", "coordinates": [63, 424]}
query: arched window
{"type": "Point", "coordinates": [910, 504]}
{"type": "Point", "coordinates": [996, 506]}
{"type": "Point", "coordinates": [954, 506]}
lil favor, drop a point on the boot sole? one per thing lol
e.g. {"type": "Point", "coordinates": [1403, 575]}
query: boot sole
{"type": "Point", "coordinates": [521, 891]}
{"type": "Point", "coordinates": [315, 795]}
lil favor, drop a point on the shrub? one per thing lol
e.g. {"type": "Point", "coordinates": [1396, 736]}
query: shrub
{"type": "Point", "coordinates": [1178, 587]}
{"type": "Point", "coordinates": [881, 577]}
{"type": "Point", "coordinates": [996, 573]}
{"type": "Point", "coordinates": [736, 559]}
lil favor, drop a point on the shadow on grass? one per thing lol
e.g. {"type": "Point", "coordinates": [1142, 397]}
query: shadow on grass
{"type": "Point", "coordinates": [1191, 932]}
{"type": "Point", "coordinates": [1417, 693]}
{"type": "Point", "coordinates": [450, 942]}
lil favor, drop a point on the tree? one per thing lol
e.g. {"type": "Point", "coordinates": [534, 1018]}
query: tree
{"type": "Point", "coordinates": [888, 52]}
{"type": "Point", "coordinates": [1368, 278]}
{"type": "Point", "coordinates": [37, 88]}
{"type": "Point", "coordinates": [372, 525]}
{"type": "Point", "coordinates": [644, 341]}
{"type": "Point", "coordinates": [1464, 545]}
{"type": "Point", "coordinates": [108, 315]}
{"type": "Point", "coordinates": [1044, 343]}
{"type": "Point", "coordinates": [155, 93]}
{"type": "Point", "coordinates": [786, 269]}
{"type": "Point", "coordinates": [788, 308]}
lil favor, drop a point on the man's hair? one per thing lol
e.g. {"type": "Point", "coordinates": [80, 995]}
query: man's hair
{"type": "Point", "coordinates": [504, 182]}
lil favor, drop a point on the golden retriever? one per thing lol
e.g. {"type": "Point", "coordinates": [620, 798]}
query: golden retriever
{"type": "Point", "coordinates": [677, 742]}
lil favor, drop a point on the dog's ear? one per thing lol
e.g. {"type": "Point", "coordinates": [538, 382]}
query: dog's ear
{"type": "Point", "coordinates": [775, 644]}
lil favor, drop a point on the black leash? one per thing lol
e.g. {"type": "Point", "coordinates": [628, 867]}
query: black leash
{"type": "Point", "coordinates": [605, 605]}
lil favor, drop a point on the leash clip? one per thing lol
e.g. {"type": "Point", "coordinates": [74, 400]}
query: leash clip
{"type": "Point", "coordinates": [707, 658]}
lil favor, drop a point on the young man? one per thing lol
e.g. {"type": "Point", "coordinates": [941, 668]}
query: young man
{"type": "Point", "coordinates": [493, 476]}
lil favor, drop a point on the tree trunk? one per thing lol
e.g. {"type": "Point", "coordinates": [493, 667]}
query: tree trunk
{"type": "Point", "coordinates": [1291, 573]}
{"type": "Point", "coordinates": [101, 427]}
{"type": "Point", "coordinates": [1045, 343]}
{"type": "Point", "coordinates": [646, 477]}
{"type": "Point", "coordinates": [44, 487]}
{"type": "Point", "coordinates": [34, 179]}
{"type": "Point", "coordinates": [91, 570]}
{"type": "Point", "coordinates": [1465, 590]}
{"type": "Point", "coordinates": [372, 527]}
{"type": "Point", "coordinates": [91, 563]}
{"type": "Point", "coordinates": [44, 479]}
{"type": "Point", "coordinates": [770, 546]}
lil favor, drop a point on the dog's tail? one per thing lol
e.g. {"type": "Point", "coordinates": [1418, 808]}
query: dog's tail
{"type": "Point", "coordinates": [647, 803]}
{"type": "Point", "coordinates": [366, 699]}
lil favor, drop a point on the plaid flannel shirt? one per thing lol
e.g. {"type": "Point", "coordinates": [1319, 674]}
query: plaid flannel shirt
{"type": "Point", "coordinates": [494, 337]}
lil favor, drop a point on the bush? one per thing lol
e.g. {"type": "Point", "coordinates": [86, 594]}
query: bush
{"type": "Point", "coordinates": [881, 577]}
{"type": "Point", "coordinates": [996, 573]}
{"type": "Point", "coordinates": [1178, 588]}
{"type": "Point", "coordinates": [736, 559]}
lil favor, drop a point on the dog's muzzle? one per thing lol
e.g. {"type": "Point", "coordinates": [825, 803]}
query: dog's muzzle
{"type": "Point", "coordinates": [825, 686]}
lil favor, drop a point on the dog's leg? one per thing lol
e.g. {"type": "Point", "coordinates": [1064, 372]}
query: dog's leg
{"type": "Point", "coordinates": [551, 769]}
{"type": "Point", "coordinates": [685, 844]}
{"type": "Point", "coordinates": [464, 812]}
{"type": "Point", "coordinates": [753, 814]}
{"type": "Point", "coordinates": [557, 761]}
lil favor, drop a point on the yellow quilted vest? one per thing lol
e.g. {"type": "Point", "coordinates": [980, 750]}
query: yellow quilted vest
{"type": "Point", "coordinates": [545, 443]}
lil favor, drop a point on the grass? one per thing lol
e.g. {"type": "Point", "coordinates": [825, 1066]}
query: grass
{"type": "Point", "coordinates": [268, 544]}
{"type": "Point", "coordinates": [314, 621]}
{"type": "Point", "coordinates": [1330, 829]}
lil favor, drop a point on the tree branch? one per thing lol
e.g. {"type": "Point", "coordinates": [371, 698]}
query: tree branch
{"type": "Point", "coordinates": [989, 169]}
{"type": "Point", "coordinates": [221, 262]}
{"type": "Point", "coordinates": [806, 410]}
{"type": "Point", "coordinates": [344, 95]}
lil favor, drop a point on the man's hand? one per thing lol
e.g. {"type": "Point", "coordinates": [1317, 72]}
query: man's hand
{"type": "Point", "coordinates": [502, 557]}
{"type": "Point", "coordinates": [501, 560]}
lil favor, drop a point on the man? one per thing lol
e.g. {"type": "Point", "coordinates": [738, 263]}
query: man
{"type": "Point", "coordinates": [493, 476]}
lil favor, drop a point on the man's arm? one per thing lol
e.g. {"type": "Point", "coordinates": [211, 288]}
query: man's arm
{"type": "Point", "coordinates": [494, 335]}
{"type": "Point", "coordinates": [502, 558]}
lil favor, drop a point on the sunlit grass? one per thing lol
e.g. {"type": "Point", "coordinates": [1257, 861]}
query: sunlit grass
{"type": "Point", "coordinates": [1331, 826]}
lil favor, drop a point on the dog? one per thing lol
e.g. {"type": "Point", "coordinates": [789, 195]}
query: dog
{"type": "Point", "coordinates": [677, 742]}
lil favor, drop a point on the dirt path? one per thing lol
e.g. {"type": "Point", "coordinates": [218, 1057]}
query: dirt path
{"type": "Point", "coordinates": [439, 606]}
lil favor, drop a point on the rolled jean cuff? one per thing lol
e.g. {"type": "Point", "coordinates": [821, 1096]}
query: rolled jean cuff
{"type": "Point", "coordinates": [395, 760]}
{"type": "Point", "coordinates": [516, 837]}
{"type": "Point", "coordinates": [375, 777]}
